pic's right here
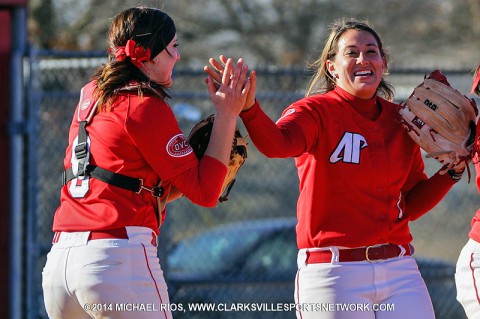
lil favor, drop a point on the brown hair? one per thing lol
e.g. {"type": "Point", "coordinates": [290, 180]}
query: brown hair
{"type": "Point", "coordinates": [322, 81]}
{"type": "Point", "coordinates": [151, 29]}
{"type": "Point", "coordinates": [476, 81]}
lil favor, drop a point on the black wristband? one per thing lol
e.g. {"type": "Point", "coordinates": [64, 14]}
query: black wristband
{"type": "Point", "coordinates": [456, 176]}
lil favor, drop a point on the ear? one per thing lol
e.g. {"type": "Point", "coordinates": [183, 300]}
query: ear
{"type": "Point", "coordinates": [331, 68]}
{"type": "Point", "coordinates": [385, 65]}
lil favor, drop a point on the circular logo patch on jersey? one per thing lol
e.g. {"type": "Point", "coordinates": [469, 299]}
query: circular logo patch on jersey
{"type": "Point", "coordinates": [85, 104]}
{"type": "Point", "coordinates": [178, 146]}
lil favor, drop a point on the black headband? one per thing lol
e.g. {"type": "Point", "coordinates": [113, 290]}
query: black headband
{"type": "Point", "coordinates": [166, 33]}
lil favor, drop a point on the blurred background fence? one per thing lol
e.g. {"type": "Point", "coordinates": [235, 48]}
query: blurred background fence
{"type": "Point", "coordinates": [265, 188]}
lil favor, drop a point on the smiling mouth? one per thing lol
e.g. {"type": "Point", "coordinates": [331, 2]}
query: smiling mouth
{"type": "Point", "coordinates": [364, 73]}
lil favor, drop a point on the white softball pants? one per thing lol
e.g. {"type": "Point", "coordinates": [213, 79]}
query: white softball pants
{"type": "Point", "coordinates": [105, 278]}
{"type": "Point", "coordinates": [388, 289]}
{"type": "Point", "coordinates": [467, 279]}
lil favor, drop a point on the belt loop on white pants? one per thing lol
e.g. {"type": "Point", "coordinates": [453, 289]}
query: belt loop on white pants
{"type": "Point", "coordinates": [304, 252]}
{"type": "Point", "coordinates": [402, 251]}
{"type": "Point", "coordinates": [141, 235]}
{"type": "Point", "coordinates": [335, 254]}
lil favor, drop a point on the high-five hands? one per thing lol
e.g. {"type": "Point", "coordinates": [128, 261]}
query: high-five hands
{"type": "Point", "coordinates": [220, 69]}
{"type": "Point", "coordinates": [229, 91]}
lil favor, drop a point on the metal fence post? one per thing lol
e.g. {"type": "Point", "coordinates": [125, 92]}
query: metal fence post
{"type": "Point", "coordinates": [16, 131]}
{"type": "Point", "coordinates": [33, 280]}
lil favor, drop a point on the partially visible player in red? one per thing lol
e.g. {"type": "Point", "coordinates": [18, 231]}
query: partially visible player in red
{"type": "Point", "coordinates": [467, 276]}
{"type": "Point", "coordinates": [362, 182]}
{"type": "Point", "coordinates": [123, 142]}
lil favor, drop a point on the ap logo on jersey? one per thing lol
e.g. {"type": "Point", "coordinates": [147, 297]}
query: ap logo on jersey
{"type": "Point", "coordinates": [348, 149]}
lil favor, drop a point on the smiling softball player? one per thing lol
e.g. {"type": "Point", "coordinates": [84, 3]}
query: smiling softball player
{"type": "Point", "coordinates": [362, 182]}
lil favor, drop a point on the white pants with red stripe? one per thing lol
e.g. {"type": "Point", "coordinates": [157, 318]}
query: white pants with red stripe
{"type": "Point", "coordinates": [467, 279]}
{"type": "Point", "coordinates": [388, 289]}
{"type": "Point", "coordinates": [105, 278]}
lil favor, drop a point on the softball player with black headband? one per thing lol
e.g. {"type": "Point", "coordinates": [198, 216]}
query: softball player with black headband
{"type": "Point", "coordinates": [125, 159]}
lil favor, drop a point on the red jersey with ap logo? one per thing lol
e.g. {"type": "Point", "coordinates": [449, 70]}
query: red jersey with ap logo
{"type": "Point", "coordinates": [355, 173]}
{"type": "Point", "coordinates": [178, 146]}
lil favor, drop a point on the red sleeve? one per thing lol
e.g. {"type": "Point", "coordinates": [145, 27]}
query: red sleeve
{"type": "Point", "coordinates": [202, 184]}
{"type": "Point", "coordinates": [280, 140]}
{"type": "Point", "coordinates": [153, 129]}
{"type": "Point", "coordinates": [426, 194]}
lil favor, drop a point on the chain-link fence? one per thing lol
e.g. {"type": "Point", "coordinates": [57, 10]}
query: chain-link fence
{"type": "Point", "coordinates": [252, 261]}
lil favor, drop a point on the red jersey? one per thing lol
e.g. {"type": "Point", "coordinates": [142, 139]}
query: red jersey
{"type": "Point", "coordinates": [475, 230]}
{"type": "Point", "coordinates": [139, 137]}
{"type": "Point", "coordinates": [360, 179]}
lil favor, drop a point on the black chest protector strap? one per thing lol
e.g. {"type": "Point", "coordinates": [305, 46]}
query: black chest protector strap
{"type": "Point", "coordinates": [82, 170]}
{"type": "Point", "coordinates": [115, 179]}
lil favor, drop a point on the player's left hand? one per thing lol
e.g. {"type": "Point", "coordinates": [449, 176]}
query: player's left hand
{"type": "Point", "coordinates": [442, 121]}
{"type": "Point", "coordinates": [230, 94]}
{"type": "Point", "coordinates": [216, 72]}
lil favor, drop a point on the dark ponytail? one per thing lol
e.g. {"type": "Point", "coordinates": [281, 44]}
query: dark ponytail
{"type": "Point", "coordinates": [148, 28]}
